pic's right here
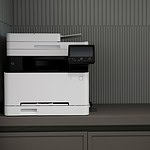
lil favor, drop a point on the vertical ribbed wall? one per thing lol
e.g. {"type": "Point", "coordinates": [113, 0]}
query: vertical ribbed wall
{"type": "Point", "coordinates": [6, 20]}
{"type": "Point", "coordinates": [81, 12]}
{"type": "Point", "coordinates": [118, 28]}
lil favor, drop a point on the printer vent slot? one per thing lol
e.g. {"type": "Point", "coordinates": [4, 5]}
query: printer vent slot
{"type": "Point", "coordinates": [28, 103]}
{"type": "Point", "coordinates": [43, 103]}
{"type": "Point", "coordinates": [60, 103]}
{"type": "Point", "coordinates": [35, 103]}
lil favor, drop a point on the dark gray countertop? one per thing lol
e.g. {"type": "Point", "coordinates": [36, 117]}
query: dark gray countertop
{"type": "Point", "coordinates": [101, 115]}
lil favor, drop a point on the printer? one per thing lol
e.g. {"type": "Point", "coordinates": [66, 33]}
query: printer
{"type": "Point", "coordinates": [45, 76]}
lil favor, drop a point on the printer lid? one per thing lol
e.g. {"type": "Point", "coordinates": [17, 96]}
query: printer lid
{"type": "Point", "coordinates": [29, 37]}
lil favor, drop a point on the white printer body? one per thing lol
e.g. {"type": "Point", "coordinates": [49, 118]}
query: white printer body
{"type": "Point", "coordinates": [44, 77]}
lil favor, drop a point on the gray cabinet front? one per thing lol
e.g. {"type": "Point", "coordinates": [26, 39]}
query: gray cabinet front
{"type": "Point", "coordinates": [44, 141]}
{"type": "Point", "coordinates": [119, 141]}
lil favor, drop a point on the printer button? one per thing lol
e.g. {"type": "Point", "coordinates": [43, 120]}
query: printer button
{"type": "Point", "coordinates": [81, 78]}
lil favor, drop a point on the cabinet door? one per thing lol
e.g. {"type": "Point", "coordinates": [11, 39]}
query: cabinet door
{"type": "Point", "coordinates": [43, 141]}
{"type": "Point", "coordinates": [119, 141]}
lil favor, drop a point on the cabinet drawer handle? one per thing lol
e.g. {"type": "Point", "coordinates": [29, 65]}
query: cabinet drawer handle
{"type": "Point", "coordinates": [29, 110]}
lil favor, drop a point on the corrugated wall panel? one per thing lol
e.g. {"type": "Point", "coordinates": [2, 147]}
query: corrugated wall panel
{"type": "Point", "coordinates": [6, 21]}
{"type": "Point", "coordinates": [120, 31]}
{"type": "Point", "coordinates": [82, 12]}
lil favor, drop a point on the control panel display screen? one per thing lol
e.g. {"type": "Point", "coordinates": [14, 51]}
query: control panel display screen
{"type": "Point", "coordinates": [81, 51]}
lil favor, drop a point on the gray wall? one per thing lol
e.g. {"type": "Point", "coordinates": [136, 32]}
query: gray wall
{"type": "Point", "coordinates": [6, 16]}
{"type": "Point", "coordinates": [118, 28]}
{"type": "Point", "coordinates": [6, 21]}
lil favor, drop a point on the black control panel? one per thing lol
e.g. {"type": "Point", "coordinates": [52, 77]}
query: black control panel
{"type": "Point", "coordinates": [81, 54]}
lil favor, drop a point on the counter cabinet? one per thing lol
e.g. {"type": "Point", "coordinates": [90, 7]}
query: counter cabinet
{"type": "Point", "coordinates": [75, 140]}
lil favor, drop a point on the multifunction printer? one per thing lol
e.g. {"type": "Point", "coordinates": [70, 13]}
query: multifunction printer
{"type": "Point", "coordinates": [45, 76]}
